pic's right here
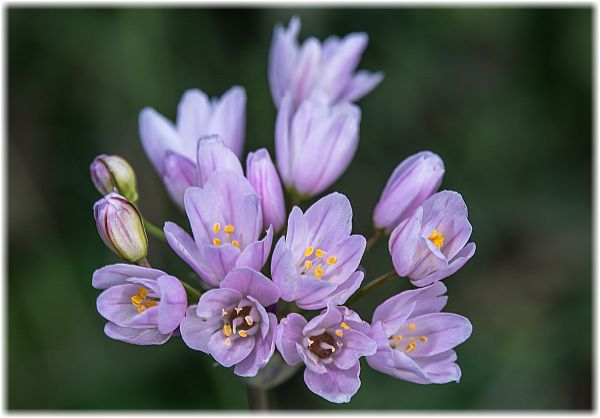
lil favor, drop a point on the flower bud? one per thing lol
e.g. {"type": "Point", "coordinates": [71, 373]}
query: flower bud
{"type": "Point", "coordinates": [111, 172]}
{"type": "Point", "coordinates": [263, 177]}
{"type": "Point", "coordinates": [121, 227]}
{"type": "Point", "coordinates": [414, 180]}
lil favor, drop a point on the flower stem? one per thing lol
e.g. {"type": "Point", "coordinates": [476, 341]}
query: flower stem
{"type": "Point", "coordinates": [374, 238]}
{"type": "Point", "coordinates": [258, 399]}
{"type": "Point", "coordinates": [154, 230]}
{"type": "Point", "coordinates": [143, 262]}
{"type": "Point", "coordinates": [373, 284]}
{"type": "Point", "coordinates": [191, 291]}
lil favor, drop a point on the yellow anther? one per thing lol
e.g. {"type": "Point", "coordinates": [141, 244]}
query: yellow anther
{"type": "Point", "coordinates": [398, 338]}
{"type": "Point", "coordinates": [136, 299]}
{"type": "Point", "coordinates": [308, 251]}
{"type": "Point", "coordinates": [227, 341]}
{"type": "Point", "coordinates": [235, 243]}
{"type": "Point", "coordinates": [319, 253]}
{"type": "Point", "coordinates": [344, 325]}
{"type": "Point", "coordinates": [307, 265]}
{"type": "Point", "coordinates": [243, 333]}
{"type": "Point", "coordinates": [249, 320]}
{"type": "Point", "coordinates": [140, 301]}
{"type": "Point", "coordinates": [310, 342]}
{"type": "Point", "coordinates": [238, 310]}
{"type": "Point", "coordinates": [152, 303]}
{"type": "Point", "coordinates": [423, 339]}
{"type": "Point", "coordinates": [436, 238]}
{"type": "Point", "coordinates": [410, 347]}
{"type": "Point", "coordinates": [216, 228]}
{"type": "Point", "coordinates": [331, 260]}
{"type": "Point", "coordinates": [229, 229]}
{"type": "Point", "coordinates": [227, 330]}
{"type": "Point", "coordinates": [339, 332]}
{"type": "Point", "coordinates": [412, 326]}
{"type": "Point", "coordinates": [143, 292]}
{"type": "Point", "coordinates": [216, 242]}
{"type": "Point", "coordinates": [223, 312]}
{"type": "Point", "coordinates": [319, 271]}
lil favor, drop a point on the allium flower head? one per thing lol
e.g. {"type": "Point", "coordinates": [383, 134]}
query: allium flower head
{"type": "Point", "coordinates": [330, 346]}
{"type": "Point", "coordinates": [329, 67]}
{"type": "Point", "coordinates": [172, 148]}
{"type": "Point", "coordinates": [414, 180]}
{"type": "Point", "coordinates": [226, 220]}
{"type": "Point", "coordinates": [315, 144]}
{"type": "Point", "coordinates": [415, 340]}
{"type": "Point", "coordinates": [143, 305]}
{"type": "Point", "coordinates": [316, 261]}
{"type": "Point", "coordinates": [231, 323]}
{"type": "Point", "coordinates": [431, 244]}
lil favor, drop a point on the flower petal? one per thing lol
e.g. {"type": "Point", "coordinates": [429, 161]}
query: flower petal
{"type": "Point", "coordinates": [150, 336]}
{"type": "Point", "coordinates": [251, 282]}
{"type": "Point", "coordinates": [456, 264]}
{"type": "Point", "coordinates": [256, 254]}
{"type": "Point", "coordinates": [336, 385]}
{"type": "Point", "coordinates": [185, 247]}
{"type": "Point", "coordinates": [196, 331]}
{"type": "Point", "coordinates": [173, 303]}
{"type": "Point", "coordinates": [260, 356]}
{"type": "Point", "coordinates": [116, 274]}
{"type": "Point", "coordinates": [158, 135]}
{"type": "Point", "coordinates": [287, 335]}
{"type": "Point", "coordinates": [212, 156]}
{"type": "Point", "coordinates": [229, 354]}
{"type": "Point", "coordinates": [229, 119]}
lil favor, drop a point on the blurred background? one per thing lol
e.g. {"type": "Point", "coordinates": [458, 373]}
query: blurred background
{"type": "Point", "coordinates": [503, 95]}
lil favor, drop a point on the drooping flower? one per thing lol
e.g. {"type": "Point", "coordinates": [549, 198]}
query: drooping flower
{"type": "Point", "coordinates": [415, 340]}
{"type": "Point", "coordinates": [226, 221]}
{"type": "Point", "coordinates": [315, 144]}
{"type": "Point", "coordinates": [231, 323]}
{"type": "Point", "coordinates": [329, 67]}
{"type": "Point", "coordinates": [414, 180]}
{"type": "Point", "coordinates": [263, 176]}
{"type": "Point", "coordinates": [111, 172]}
{"type": "Point", "coordinates": [172, 148]}
{"type": "Point", "coordinates": [330, 346]}
{"type": "Point", "coordinates": [316, 261]}
{"type": "Point", "coordinates": [121, 227]}
{"type": "Point", "coordinates": [431, 244]}
{"type": "Point", "coordinates": [143, 305]}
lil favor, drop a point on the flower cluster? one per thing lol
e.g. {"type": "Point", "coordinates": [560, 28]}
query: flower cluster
{"type": "Point", "coordinates": [278, 282]}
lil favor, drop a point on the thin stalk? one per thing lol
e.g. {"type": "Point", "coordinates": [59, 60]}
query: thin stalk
{"type": "Point", "coordinates": [374, 238]}
{"type": "Point", "coordinates": [258, 399]}
{"type": "Point", "coordinates": [154, 230]}
{"type": "Point", "coordinates": [373, 284]}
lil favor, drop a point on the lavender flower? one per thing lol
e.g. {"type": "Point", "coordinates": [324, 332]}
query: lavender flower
{"type": "Point", "coordinates": [121, 227]}
{"type": "Point", "coordinates": [226, 221]}
{"type": "Point", "coordinates": [143, 305]}
{"type": "Point", "coordinates": [414, 180]}
{"type": "Point", "coordinates": [430, 244]}
{"type": "Point", "coordinates": [415, 340]}
{"type": "Point", "coordinates": [316, 261]}
{"type": "Point", "coordinates": [328, 67]}
{"type": "Point", "coordinates": [111, 172]}
{"type": "Point", "coordinates": [212, 156]}
{"type": "Point", "coordinates": [261, 173]}
{"type": "Point", "coordinates": [315, 144]}
{"type": "Point", "coordinates": [172, 148]}
{"type": "Point", "coordinates": [330, 346]}
{"type": "Point", "coordinates": [231, 323]}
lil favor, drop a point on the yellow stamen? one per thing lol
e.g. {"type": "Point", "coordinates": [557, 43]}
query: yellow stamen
{"type": "Point", "coordinates": [412, 326]}
{"type": "Point", "coordinates": [398, 338]}
{"type": "Point", "coordinates": [307, 265]}
{"type": "Point", "coordinates": [331, 260]}
{"type": "Point", "coordinates": [310, 342]}
{"type": "Point", "coordinates": [249, 320]}
{"type": "Point", "coordinates": [423, 339]}
{"type": "Point", "coordinates": [229, 229]}
{"type": "Point", "coordinates": [227, 330]}
{"type": "Point", "coordinates": [136, 299]}
{"type": "Point", "coordinates": [152, 303]}
{"type": "Point", "coordinates": [238, 310]}
{"type": "Point", "coordinates": [227, 341]}
{"type": "Point", "coordinates": [410, 347]}
{"type": "Point", "coordinates": [235, 243]}
{"type": "Point", "coordinates": [143, 292]}
{"type": "Point", "coordinates": [216, 228]}
{"type": "Point", "coordinates": [140, 301]}
{"type": "Point", "coordinates": [223, 312]}
{"type": "Point", "coordinates": [243, 333]}
{"type": "Point", "coordinates": [308, 251]}
{"type": "Point", "coordinates": [339, 332]}
{"type": "Point", "coordinates": [216, 242]}
{"type": "Point", "coordinates": [319, 271]}
{"type": "Point", "coordinates": [319, 253]}
{"type": "Point", "coordinates": [436, 238]}
{"type": "Point", "coordinates": [344, 325]}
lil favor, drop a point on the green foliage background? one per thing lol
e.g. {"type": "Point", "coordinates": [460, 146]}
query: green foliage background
{"type": "Point", "coordinates": [503, 95]}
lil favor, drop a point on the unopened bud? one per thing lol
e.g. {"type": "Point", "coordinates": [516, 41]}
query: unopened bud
{"type": "Point", "coordinates": [121, 227]}
{"type": "Point", "coordinates": [111, 172]}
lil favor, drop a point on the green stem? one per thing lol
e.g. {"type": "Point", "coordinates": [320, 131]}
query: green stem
{"type": "Point", "coordinates": [374, 238]}
{"type": "Point", "coordinates": [373, 284]}
{"type": "Point", "coordinates": [258, 399]}
{"type": "Point", "coordinates": [154, 230]}
{"type": "Point", "coordinates": [191, 291]}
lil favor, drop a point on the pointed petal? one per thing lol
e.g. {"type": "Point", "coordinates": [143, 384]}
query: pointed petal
{"type": "Point", "coordinates": [135, 336]}
{"type": "Point", "coordinates": [336, 385]}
